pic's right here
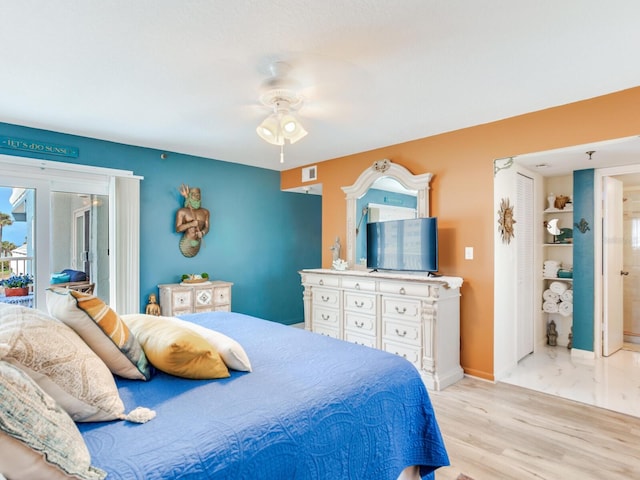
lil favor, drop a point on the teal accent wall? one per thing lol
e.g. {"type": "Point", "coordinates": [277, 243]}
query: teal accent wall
{"type": "Point", "coordinates": [583, 260]}
{"type": "Point", "coordinates": [260, 236]}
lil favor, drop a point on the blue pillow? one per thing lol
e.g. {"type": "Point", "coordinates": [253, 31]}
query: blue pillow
{"type": "Point", "coordinates": [60, 278]}
{"type": "Point", "coordinates": [75, 275]}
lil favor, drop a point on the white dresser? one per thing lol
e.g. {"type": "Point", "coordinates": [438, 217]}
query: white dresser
{"type": "Point", "coordinates": [178, 298]}
{"type": "Point", "coordinates": [412, 315]}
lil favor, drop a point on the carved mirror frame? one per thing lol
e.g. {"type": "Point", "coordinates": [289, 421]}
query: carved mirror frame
{"type": "Point", "coordinates": [382, 169]}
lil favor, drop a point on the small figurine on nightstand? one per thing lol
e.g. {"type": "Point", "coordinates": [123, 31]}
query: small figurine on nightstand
{"type": "Point", "coordinates": [152, 307]}
{"type": "Point", "coordinates": [552, 334]}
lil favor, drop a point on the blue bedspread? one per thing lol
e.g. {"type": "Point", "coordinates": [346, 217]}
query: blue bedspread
{"type": "Point", "coordinates": [313, 408]}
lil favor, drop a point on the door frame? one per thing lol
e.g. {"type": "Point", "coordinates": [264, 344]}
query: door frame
{"type": "Point", "coordinates": [598, 250]}
{"type": "Point", "coordinates": [123, 190]}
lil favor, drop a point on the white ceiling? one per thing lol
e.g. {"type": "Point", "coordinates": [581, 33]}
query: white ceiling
{"type": "Point", "coordinates": [184, 76]}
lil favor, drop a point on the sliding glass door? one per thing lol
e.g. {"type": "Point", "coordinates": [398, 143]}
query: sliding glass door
{"type": "Point", "coordinates": [72, 215]}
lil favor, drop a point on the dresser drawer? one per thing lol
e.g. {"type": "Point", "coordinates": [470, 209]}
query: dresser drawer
{"type": "Point", "coordinates": [401, 332]}
{"type": "Point", "coordinates": [366, 340]}
{"type": "Point", "coordinates": [327, 331]}
{"type": "Point", "coordinates": [326, 298]}
{"type": "Point", "coordinates": [410, 353]}
{"type": "Point", "coordinates": [408, 289]}
{"type": "Point", "coordinates": [360, 323]}
{"type": "Point", "coordinates": [404, 309]}
{"type": "Point", "coordinates": [326, 316]}
{"type": "Point", "coordinates": [359, 302]}
{"type": "Point", "coordinates": [321, 280]}
{"type": "Point", "coordinates": [360, 284]}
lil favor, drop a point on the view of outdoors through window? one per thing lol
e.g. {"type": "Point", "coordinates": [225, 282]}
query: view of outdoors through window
{"type": "Point", "coordinates": [16, 255]}
{"type": "Point", "coordinates": [77, 247]}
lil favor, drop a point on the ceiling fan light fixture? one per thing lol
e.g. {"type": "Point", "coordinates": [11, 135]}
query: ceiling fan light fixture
{"type": "Point", "coordinates": [279, 95]}
{"type": "Point", "coordinates": [270, 130]}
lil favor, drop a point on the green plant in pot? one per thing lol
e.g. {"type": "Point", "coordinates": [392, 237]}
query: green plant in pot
{"type": "Point", "coordinates": [17, 285]}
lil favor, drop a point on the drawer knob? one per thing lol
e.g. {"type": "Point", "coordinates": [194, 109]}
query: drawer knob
{"type": "Point", "coordinates": [359, 305]}
{"type": "Point", "coordinates": [403, 355]}
{"type": "Point", "coordinates": [359, 324]}
{"type": "Point", "coordinates": [357, 286]}
{"type": "Point", "coordinates": [403, 334]}
{"type": "Point", "coordinates": [321, 282]}
{"type": "Point", "coordinates": [324, 299]}
{"type": "Point", "coordinates": [402, 291]}
{"type": "Point", "coordinates": [325, 317]}
{"type": "Point", "coordinates": [401, 312]}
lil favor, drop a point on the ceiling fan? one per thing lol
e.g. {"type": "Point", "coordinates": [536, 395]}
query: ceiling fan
{"type": "Point", "coordinates": [280, 94]}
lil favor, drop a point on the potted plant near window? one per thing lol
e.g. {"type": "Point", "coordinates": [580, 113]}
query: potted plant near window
{"type": "Point", "coordinates": [17, 285]}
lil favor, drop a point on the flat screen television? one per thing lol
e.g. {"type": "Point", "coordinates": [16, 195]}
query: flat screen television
{"type": "Point", "coordinates": [403, 245]}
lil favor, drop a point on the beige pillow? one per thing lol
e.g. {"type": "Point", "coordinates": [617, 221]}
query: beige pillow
{"type": "Point", "coordinates": [102, 329]}
{"type": "Point", "coordinates": [177, 350]}
{"type": "Point", "coordinates": [229, 349]}
{"type": "Point", "coordinates": [37, 438]}
{"type": "Point", "coordinates": [60, 362]}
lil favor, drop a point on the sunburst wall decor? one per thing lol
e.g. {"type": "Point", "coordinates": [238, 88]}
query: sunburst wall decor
{"type": "Point", "coordinates": [506, 221]}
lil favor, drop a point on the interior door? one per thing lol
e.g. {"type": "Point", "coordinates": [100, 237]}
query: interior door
{"type": "Point", "coordinates": [525, 272]}
{"type": "Point", "coordinates": [612, 268]}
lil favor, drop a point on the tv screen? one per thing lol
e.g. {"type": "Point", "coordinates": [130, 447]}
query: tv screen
{"type": "Point", "coordinates": [403, 245]}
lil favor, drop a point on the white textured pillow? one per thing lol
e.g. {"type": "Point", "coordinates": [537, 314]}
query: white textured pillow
{"type": "Point", "coordinates": [37, 438]}
{"type": "Point", "coordinates": [60, 362]}
{"type": "Point", "coordinates": [231, 352]}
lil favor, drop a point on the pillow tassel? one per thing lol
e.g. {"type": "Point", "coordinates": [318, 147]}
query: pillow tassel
{"type": "Point", "coordinates": [139, 415]}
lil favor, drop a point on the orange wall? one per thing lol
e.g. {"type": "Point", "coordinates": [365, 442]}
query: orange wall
{"type": "Point", "coordinates": [462, 193]}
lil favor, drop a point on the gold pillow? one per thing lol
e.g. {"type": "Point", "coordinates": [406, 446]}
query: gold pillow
{"type": "Point", "coordinates": [177, 350]}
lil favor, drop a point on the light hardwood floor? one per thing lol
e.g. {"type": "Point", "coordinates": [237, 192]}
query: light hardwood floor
{"type": "Point", "coordinates": [502, 431]}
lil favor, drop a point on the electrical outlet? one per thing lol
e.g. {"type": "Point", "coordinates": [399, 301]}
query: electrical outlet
{"type": "Point", "coordinates": [468, 253]}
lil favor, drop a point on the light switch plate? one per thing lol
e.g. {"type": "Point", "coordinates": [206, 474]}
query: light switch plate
{"type": "Point", "coordinates": [468, 253]}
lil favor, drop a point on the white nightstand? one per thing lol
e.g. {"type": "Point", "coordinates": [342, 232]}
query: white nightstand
{"type": "Point", "coordinates": [178, 298]}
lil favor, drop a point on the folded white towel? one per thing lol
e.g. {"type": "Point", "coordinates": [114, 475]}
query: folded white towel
{"type": "Point", "coordinates": [565, 308]}
{"type": "Point", "coordinates": [551, 263]}
{"type": "Point", "coordinates": [550, 307]}
{"type": "Point", "coordinates": [558, 287]}
{"type": "Point", "coordinates": [567, 296]}
{"type": "Point", "coordinates": [549, 296]}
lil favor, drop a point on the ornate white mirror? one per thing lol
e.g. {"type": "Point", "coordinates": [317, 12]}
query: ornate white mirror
{"type": "Point", "coordinates": [385, 190]}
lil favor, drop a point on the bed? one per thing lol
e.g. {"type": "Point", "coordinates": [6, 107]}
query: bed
{"type": "Point", "coordinates": [312, 408]}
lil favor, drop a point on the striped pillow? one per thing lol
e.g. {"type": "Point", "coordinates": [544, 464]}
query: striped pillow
{"type": "Point", "coordinates": [102, 329]}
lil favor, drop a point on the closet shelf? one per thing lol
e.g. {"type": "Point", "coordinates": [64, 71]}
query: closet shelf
{"type": "Point", "coordinates": [557, 210]}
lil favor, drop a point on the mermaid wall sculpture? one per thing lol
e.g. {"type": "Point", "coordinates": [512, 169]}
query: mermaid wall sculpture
{"type": "Point", "coordinates": [192, 221]}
